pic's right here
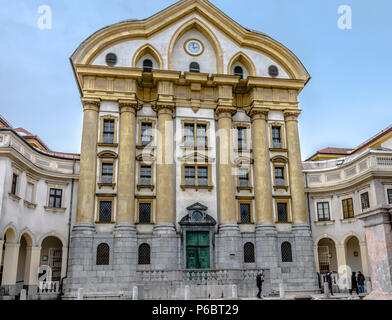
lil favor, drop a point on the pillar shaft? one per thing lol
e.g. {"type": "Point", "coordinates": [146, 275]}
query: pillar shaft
{"type": "Point", "coordinates": [226, 182]}
{"type": "Point", "coordinates": [261, 167]}
{"type": "Point", "coordinates": [33, 255]}
{"type": "Point", "coordinates": [10, 268]}
{"type": "Point", "coordinates": [88, 162]}
{"type": "Point", "coordinates": [295, 168]}
{"type": "Point", "coordinates": [364, 259]}
{"type": "Point", "coordinates": [165, 211]}
{"type": "Point", "coordinates": [341, 255]}
{"type": "Point", "coordinates": [126, 165]}
{"type": "Point", "coordinates": [1, 251]}
{"type": "Point", "coordinates": [64, 256]}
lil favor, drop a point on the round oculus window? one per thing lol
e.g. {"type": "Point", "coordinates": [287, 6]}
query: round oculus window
{"type": "Point", "coordinates": [194, 47]}
{"type": "Point", "coordinates": [273, 71]}
{"type": "Point", "coordinates": [111, 59]}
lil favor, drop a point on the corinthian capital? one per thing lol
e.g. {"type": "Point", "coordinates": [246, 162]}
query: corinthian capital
{"type": "Point", "coordinates": [291, 115]}
{"type": "Point", "coordinates": [258, 113]}
{"type": "Point", "coordinates": [128, 105]}
{"type": "Point", "coordinates": [225, 111]}
{"type": "Point", "coordinates": [91, 104]}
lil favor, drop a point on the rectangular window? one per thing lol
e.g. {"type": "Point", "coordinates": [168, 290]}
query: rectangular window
{"type": "Point", "coordinates": [323, 211]}
{"type": "Point", "coordinates": [105, 211]}
{"type": "Point", "coordinates": [190, 176]}
{"type": "Point", "coordinates": [108, 131]}
{"type": "Point", "coordinates": [202, 176]}
{"type": "Point", "coordinates": [146, 133]}
{"type": "Point", "coordinates": [276, 137]}
{"type": "Point", "coordinates": [14, 183]}
{"type": "Point", "coordinates": [282, 212]}
{"type": "Point", "coordinates": [145, 175]}
{"type": "Point", "coordinates": [389, 194]}
{"type": "Point", "coordinates": [55, 196]}
{"type": "Point", "coordinates": [189, 135]}
{"type": "Point", "coordinates": [29, 192]}
{"type": "Point", "coordinates": [365, 201]}
{"type": "Point", "coordinates": [348, 209]}
{"type": "Point", "coordinates": [107, 173]}
{"type": "Point", "coordinates": [244, 178]}
{"type": "Point", "coordinates": [144, 212]}
{"type": "Point", "coordinates": [241, 136]}
{"type": "Point", "coordinates": [201, 136]}
{"type": "Point", "coordinates": [279, 176]}
{"type": "Point", "coordinates": [245, 213]}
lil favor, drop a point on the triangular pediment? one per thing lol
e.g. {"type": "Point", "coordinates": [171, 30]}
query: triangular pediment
{"type": "Point", "coordinates": [196, 157]}
{"type": "Point", "coordinates": [197, 206]}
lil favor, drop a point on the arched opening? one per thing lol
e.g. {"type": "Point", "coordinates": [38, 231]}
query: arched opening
{"type": "Point", "coordinates": [51, 255]}
{"type": "Point", "coordinates": [327, 255]}
{"type": "Point", "coordinates": [24, 259]}
{"type": "Point", "coordinates": [241, 65]}
{"type": "Point", "coordinates": [194, 67]}
{"type": "Point", "coordinates": [145, 53]}
{"type": "Point", "coordinates": [239, 71]}
{"type": "Point", "coordinates": [249, 252]}
{"type": "Point", "coordinates": [147, 65]}
{"type": "Point", "coordinates": [103, 254]}
{"type": "Point", "coordinates": [353, 254]}
{"type": "Point", "coordinates": [144, 254]}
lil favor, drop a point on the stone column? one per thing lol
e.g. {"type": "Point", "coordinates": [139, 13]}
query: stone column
{"type": "Point", "coordinates": [364, 259]}
{"type": "Point", "coordinates": [1, 251]}
{"type": "Point", "coordinates": [126, 167]}
{"type": "Point", "coordinates": [88, 164]}
{"type": "Point", "coordinates": [33, 255]}
{"type": "Point", "coordinates": [296, 181]}
{"type": "Point", "coordinates": [10, 267]}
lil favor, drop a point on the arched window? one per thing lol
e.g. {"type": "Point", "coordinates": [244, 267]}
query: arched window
{"type": "Point", "coordinates": [194, 67]}
{"type": "Point", "coordinates": [287, 255]}
{"type": "Point", "coordinates": [238, 71]}
{"type": "Point", "coordinates": [147, 65]}
{"type": "Point", "coordinates": [249, 253]}
{"type": "Point", "coordinates": [144, 254]}
{"type": "Point", "coordinates": [103, 252]}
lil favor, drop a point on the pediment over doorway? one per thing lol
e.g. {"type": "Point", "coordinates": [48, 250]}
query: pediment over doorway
{"type": "Point", "coordinates": [197, 215]}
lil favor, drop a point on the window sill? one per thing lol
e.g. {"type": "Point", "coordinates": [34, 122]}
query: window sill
{"type": "Point", "coordinates": [349, 220]}
{"type": "Point", "coordinates": [209, 188]}
{"type": "Point", "coordinates": [278, 149]}
{"type": "Point", "coordinates": [244, 188]}
{"type": "Point", "coordinates": [141, 147]}
{"type": "Point", "coordinates": [243, 150]}
{"type": "Point", "coordinates": [29, 204]}
{"type": "Point", "coordinates": [324, 223]}
{"type": "Point", "coordinates": [281, 187]}
{"type": "Point", "coordinates": [112, 185]}
{"type": "Point", "coordinates": [14, 197]}
{"type": "Point", "coordinates": [110, 145]}
{"type": "Point", "coordinates": [55, 209]}
{"type": "Point", "coordinates": [144, 224]}
{"type": "Point", "coordinates": [140, 186]}
{"type": "Point", "coordinates": [246, 223]}
{"type": "Point", "coordinates": [99, 222]}
{"type": "Point", "coordinates": [195, 148]}
{"type": "Point", "coordinates": [281, 222]}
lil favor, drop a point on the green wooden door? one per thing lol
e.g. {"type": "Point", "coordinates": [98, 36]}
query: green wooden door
{"type": "Point", "coordinates": [198, 250]}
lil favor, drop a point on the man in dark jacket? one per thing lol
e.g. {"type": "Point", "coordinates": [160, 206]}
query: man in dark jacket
{"type": "Point", "coordinates": [328, 277]}
{"type": "Point", "coordinates": [259, 283]}
{"type": "Point", "coordinates": [361, 282]}
{"type": "Point", "coordinates": [354, 285]}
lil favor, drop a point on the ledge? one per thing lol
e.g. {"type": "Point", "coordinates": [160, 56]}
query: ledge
{"type": "Point", "coordinates": [55, 209]}
{"type": "Point", "coordinates": [108, 145]}
{"type": "Point", "coordinates": [195, 148]}
{"type": "Point", "coordinates": [349, 220]}
{"type": "Point", "coordinates": [112, 185]}
{"type": "Point", "coordinates": [280, 222]}
{"type": "Point", "coordinates": [14, 197]}
{"type": "Point", "coordinates": [140, 147]}
{"type": "Point", "coordinates": [244, 188]}
{"type": "Point", "coordinates": [324, 223]}
{"type": "Point", "coordinates": [29, 204]}
{"type": "Point", "coordinates": [281, 187]}
{"type": "Point", "coordinates": [141, 186]}
{"type": "Point", "coordinates": [278, 149]}
{"type": "Point", "coordinates": [99, 222]}
{"type": "Point", "coordinates": [183, 187]}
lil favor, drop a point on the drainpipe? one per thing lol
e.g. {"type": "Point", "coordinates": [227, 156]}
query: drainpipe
{"type": "Point", "coordinates": [69, 227]}
{"type": "Point", "coordinates": [307, 201]}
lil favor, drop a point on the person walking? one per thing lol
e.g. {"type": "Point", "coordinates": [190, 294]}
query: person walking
{"type": "Point", "coordinates": [354, 284]}
{"type": "Point", "coordinates": [328, 277]}
{"type": "Point", "coordinates": [361, 282]}
{"type": "Point", "coordinates": [259, 283]}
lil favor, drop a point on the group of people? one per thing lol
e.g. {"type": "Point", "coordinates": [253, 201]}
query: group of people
{"type": "Point", "coordinates": [357, 282]}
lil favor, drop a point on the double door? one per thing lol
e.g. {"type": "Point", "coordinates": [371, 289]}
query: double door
{"type": "Point", "coordinates": [198, 250]}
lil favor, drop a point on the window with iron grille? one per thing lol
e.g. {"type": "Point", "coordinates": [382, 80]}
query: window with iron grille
{"type": "Point", "coordinates": [238, 71]}
{"type": "Point", "coordinates": [194, 67]}
{"type": "Point", "coordinates": [348, 209]}
{"type": "Point", "coordinates": [103, 252]}
{"type": "Point", "coordinates": [249, 252]}
{"type": "Point", "coordinates": [144, 254]}
{"type": "Point", "coordinates": [279, 176]}
{"type": "Point", "coordinates": [14, 183]}
{"type": "Point", "coordinates": [146, 133]}
{"type": "Point", "coordinates": [201, 135]}
{"type": "Point", "coordinates": [244, 177]}
{"type": "Point", "coordinates": [145, 212]}
{"type": "Point", "coordinates": [287, 255]}
{"type": "Point", "coordinates": [105, 211]}
{"type": "Point", "coordinates": [108, 131]}
{"type": "Point", "coordinates": [323, 211]}
{"type": "Point", "coordinates": [202, 176]}
{"type": "Point", "coordinates": [55, 196]}
{"type": "Point", "coordinates": [107, 173]}
{"type": "Point", "coordinates": [245, 213]}
{"type": "Point", "coordinates": [389, 193]}
{"type": "Point", "coordinates": [365, 201]}
{"type": "Point", "coordinates": [189, 135]}
{"type": "Point", "coordinates": [282, 212]}
{"type": "Point", "coordinates": [147, 65]}
{"type": "Point", "coordinates": [190, 176]}
{"type": "Point", "coordinates": [145, 175]}
{"type": "Point", "coordinates": [241, 136]}
{"type": "Point", "coordinates": [276, 138]}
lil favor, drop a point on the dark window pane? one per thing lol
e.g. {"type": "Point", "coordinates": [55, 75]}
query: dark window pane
{"type": "Point", "coordinates": [323, 211]}
{"type": "Point", "coordinates": [276, 138]}
{"type": "Point", "coordinates": [145, 175]}
{"type": "Point", "coordinates": [238, 71]}
{"type": "Point", "coordinates": [287, 255]}
{"type": "Point", "coordinates": [145, 212]}
{"type": "Point", "coordinates": [103, 252]}
{"type": "Point", "coordinates": [245, 212]}
{"type": "Point", "coordinates": [202, 176]}
{"type": "Point", "coordinates": [108, 131]}
{"type": "Point", "coordinates": [107, 173]}
{"type": "Point", "coordinates": [189, 135]}
{"type": "Point", "coordinates": [194, 67]}
{"type": "Point", "coordinates": [279, 177]}
{"type": "Point", "coordinates": [249, 253]}
{"type": "Point", "coordinates": [105, 211]}
{"type": "Point", "coordinates": [389, 192]}
{"type": "Point", "coordinates": [282, 212]}
{"type": "Point", "coordinates": [14, 183]}
{"type": "Point", "coordinates": [201, 135]}
{"type": "Point", "coordinates": [55, 196]}
{"type": "Point", "coordinates": [241, 135]}
{"type": "Point", "coordinates": [147, 65]}
{"type": "Point", "coordinates": [365, 201]}
{"type": "Point", "coordinates": [244, 177]}
{"type": "Point", "coordinates": [189, 176]}
{"type": "Point", "coordinates": [144, 254]}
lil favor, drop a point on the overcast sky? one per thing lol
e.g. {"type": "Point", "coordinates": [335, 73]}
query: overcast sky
{"type": "Point", "coordinates": [347, 100]}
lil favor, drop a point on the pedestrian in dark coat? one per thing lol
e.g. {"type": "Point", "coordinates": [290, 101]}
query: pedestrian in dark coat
{"type": "Point", "coordinates": [354, 285]}
{"type": "Point", "coordinates": [259, 283]}
{"type": "Point", "coordinates": [361, 282]}
{"type": "Point", "coordinates": [328, 277]}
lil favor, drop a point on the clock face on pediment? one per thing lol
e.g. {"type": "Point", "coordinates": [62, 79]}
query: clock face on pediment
{"type": "Point", "coordinates": [194, 47]}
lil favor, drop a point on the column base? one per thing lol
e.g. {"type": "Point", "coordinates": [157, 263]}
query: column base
{"type": "Point", "coordinates": [164, 229]}
{"type": "Point", "coordinates": [266, 229]}
{"type": "Point", "coordinates": [83, 228]}
{"type": "Point", "coordinates": [125, 227]}
{"type": "Point", "coordinates": [302, 229]}
{"type": "Point", "coordinates": [229, 229]}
